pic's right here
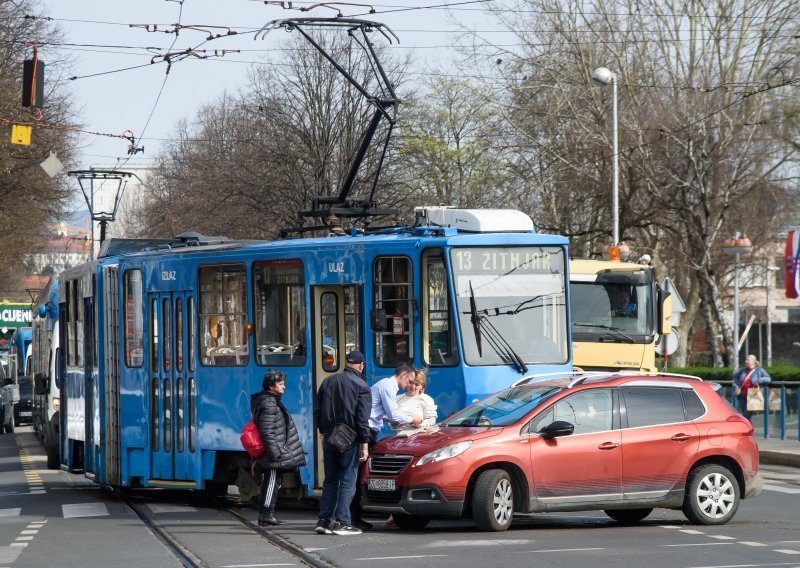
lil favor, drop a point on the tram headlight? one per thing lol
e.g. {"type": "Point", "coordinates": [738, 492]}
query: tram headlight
{"type": "Point", "coordinates": [446, 452]}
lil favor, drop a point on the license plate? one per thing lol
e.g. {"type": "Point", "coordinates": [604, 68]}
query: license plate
{"type": "Point", "coordinates": [379, 484]}
{"type": "Point", "coordinates": [25, 413]}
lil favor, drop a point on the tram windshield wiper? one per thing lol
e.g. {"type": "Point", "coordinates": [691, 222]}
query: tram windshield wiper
{"type": "Point", "coordinates": [475, 319]}
{"type": "Point", "coordinates": [625, 336]}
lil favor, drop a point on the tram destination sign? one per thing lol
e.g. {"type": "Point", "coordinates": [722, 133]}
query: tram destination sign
{"type": "Point", "coordinates": [13, 316]}
{"type": "Point", "coordinates": [508, 259]}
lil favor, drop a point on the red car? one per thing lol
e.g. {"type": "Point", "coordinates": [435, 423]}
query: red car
{"type": "Point", "coordinates": [619, 443]}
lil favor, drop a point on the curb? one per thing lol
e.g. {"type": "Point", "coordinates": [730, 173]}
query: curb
{"type": "Point", "coordinates": [772, 457]}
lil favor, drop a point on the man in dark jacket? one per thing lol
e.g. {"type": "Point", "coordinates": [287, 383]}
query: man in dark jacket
{"type": "Point", "coordinates": [282, 448]}
{"type": "Point", "coordinates": [343, 398]}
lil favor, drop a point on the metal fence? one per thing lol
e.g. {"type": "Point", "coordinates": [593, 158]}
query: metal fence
{"type": "Point", "coordinates": [779, 419]}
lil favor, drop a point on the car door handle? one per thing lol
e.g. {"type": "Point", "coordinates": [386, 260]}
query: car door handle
{"type": "Point", "coordinates": [681, 437]}
{"type": "Point", "coordinates": [608, 445]}
{"type": "Point", "coordinates": [524, 441]}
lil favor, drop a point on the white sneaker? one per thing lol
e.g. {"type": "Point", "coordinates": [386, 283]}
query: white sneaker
{"type": "Point", "coordinates": [344, 530]}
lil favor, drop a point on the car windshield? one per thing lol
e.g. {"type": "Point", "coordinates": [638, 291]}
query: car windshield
{"type": "Point", "coordinates": [511, 304]}
{"type": "Point", "coordinates": [505, 407]}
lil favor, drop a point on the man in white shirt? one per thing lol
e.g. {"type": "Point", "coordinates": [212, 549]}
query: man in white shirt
{"type": "Point", "coordinates": [384, 400]}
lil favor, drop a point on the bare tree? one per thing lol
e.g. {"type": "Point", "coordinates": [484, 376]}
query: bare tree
{"type": "Point", "coordinates": [699, 85]}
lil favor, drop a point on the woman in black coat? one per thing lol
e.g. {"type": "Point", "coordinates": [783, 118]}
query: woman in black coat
{"type": "Point", "coordinates": [283, 450]}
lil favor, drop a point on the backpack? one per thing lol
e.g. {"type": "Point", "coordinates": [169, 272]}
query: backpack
{"type": "Point", "coordinates": [251, 440]}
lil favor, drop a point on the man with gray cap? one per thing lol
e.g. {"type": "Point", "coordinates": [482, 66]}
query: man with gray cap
{"type": "Point", "coordinates": [343, 398]}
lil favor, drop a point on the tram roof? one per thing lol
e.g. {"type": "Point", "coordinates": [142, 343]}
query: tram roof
{"type": "Point", "coordinates": [136, 247]}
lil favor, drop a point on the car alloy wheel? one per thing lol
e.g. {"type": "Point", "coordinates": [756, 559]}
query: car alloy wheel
{"type": "Point", "coordinates": [712, 495]}
{"type": "Point", "coordinates": [493, 500]}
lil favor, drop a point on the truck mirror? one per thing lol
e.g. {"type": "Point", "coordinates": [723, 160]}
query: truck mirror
{"type": "Point", "coordinates": [59, 367]}
{"type": "Point", "coordinates": [664, 312]}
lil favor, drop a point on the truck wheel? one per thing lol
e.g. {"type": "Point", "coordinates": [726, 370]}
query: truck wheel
{"type": "Point", "coordinates": [493, 501]}
{"type": "Point", "coordinates": [712, 495]}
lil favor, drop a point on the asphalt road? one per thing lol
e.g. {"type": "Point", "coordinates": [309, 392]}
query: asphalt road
{"type": "Point", "coordinates": [56, 519]}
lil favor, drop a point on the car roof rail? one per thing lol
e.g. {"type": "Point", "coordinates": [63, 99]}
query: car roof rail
{"type": "Point", "coordinates": [681, 375]}
{"type": "Point", "coordinates": [527, 379]}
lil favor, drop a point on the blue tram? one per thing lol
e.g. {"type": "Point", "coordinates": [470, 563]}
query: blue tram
{"type": "Point", "coordinates": [163, 342]}
{"type": "Point", "coordinates": [44, 346]}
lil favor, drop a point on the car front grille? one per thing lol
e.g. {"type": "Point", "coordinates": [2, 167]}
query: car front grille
{"type": "Point", "coordinates": [388, 464]}
{"type": "Point", "coordinates": [385, 497]}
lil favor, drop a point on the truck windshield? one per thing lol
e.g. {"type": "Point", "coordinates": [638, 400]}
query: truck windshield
{"type": "Point", "coordinates": [511, 304]}
{"type": "Point", "coordinates": [618, 311]}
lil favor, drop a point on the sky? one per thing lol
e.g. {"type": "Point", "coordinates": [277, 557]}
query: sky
{"type": "Point", "coordinates": [147, 102]}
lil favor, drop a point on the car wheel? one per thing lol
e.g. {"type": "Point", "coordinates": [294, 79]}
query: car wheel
{"type": "Point", "coordinates": [628, 516]}
{"type": "Point", "coordinates": [493, 501]}
{"type": "Point", "coordinates": [712, 495]}
{"type": "Point", "coordinates": [410, 522]}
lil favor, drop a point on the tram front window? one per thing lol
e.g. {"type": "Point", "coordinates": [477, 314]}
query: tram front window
{"type": "Point", "coordinates": [511, 304]}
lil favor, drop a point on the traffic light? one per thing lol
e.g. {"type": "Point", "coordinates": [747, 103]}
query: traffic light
{"type": "Point", "coordinates": [33, 83]}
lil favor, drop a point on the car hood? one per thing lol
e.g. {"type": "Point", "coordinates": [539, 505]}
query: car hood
{"type": "Point", "coordinates": [424, 442]}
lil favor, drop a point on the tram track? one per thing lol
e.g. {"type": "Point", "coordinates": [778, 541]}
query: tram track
{"type": "Point", "coordinates": [189, 559]}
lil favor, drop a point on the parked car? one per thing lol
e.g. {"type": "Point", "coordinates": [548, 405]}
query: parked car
{"type": "Point", "coordinates": [621, 444]}
{"type": "Point", "coordinates": [23, 410]}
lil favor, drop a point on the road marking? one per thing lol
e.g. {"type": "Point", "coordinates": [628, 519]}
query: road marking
{"type": "Point", "coordinates": [670, 526]}
{"type": "Point", "coordinates": [722, 537]}
{"type": "Point", "coordinates": [691, 531]}
{"type": "Point", "coordinates": [23, 544]}
{"type": "Point", "coordinates": [700, 544]}
{"type": "Point", "coordinates": [787, 551]}
{"type": "Point", "coordinates": [255, 565]}
{"type": "Point", "coordinates": [460, 543]}
{"type": "Point", "coordinates": [84, 510]}
{"type": "Point", "coordinates": [748, 565]}
{"type": "Point", "coordinates": [9, 555]}
{"type": "Point", "coordinates": [22, 538]}
{"type": "Point", "coordinates": [751, 543]}
{"type": "Point", "coordinates": [10, 512]}
{"type": "Point", "coordinates": [780, 489]}
{"type": "Point", "coordinates": [558, 550]}
{"type": "Point", "coordinates": [419, 556]}
{"type": "Point", "coordinates": [29, 532]}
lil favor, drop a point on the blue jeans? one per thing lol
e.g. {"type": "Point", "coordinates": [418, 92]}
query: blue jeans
{"type": "Point", "coordinates": [341, 472]}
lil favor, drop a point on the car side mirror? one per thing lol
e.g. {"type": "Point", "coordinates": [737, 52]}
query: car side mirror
{"type": "Point", "coordinates": [556, 429]}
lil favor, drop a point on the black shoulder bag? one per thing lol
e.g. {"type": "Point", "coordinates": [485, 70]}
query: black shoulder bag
{"type": "Point", "coordinates": [342, 437]}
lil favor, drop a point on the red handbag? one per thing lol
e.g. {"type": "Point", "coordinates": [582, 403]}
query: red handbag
{"type": "Point", "coordinates": [251, 440]}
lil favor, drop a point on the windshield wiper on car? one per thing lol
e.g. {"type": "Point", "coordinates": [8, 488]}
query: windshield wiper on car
{"type": "Point", "coordinates": [625, 336]}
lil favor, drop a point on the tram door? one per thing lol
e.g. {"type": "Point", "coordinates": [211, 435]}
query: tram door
{"type": "Point", "coordinates": [171, 380]}
{"type": "Point", "coordinates": [336, 331]}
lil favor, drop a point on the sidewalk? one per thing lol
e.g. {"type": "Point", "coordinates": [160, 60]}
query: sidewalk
{"type": "Point", "coordinates": [774, 451]}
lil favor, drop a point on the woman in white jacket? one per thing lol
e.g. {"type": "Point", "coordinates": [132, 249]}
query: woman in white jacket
{"type": "Point", "coordinates": [415, 402]}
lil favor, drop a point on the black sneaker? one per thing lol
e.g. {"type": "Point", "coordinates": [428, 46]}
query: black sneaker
{"type": "Point", "coordinates": [344, 530]}
{"type": "Point", "coordinates": [362, 524]}
{"type": "Point", "coordinates": [323, 527]}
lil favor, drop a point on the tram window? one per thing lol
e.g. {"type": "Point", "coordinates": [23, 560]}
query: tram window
{"type": "Point", "coordinates": [166, 334]}
{"type": "Point", "coordinates": [394, 341]}
{"type": "Point", "coordinates": [77, 303]}
{"type": "Point", "coordinates": [352, 319]}
{"type": "Point", "coordinates": [190, 327]}
{"type": "Point", "coordinates": [154, 335]}
{"type": "Point", "coordinates": [280, 334]}
{"type": "Point", "coordinates": [223, 315]}
{"type": "Point", "coordinates": [69, 315]}
{"type": "Point", "coordinates": [329, 320]}
{"type": "Point", "coordinates": [167, 416]}
{"type": "Point", "coordinates": [154, 414]}
{"type": "Point", "coordinates": [179, 334]}
{"type": "Point", "coordinates": [134, 324]}
{"type": "Point", "coordinates": [438, 330]}
{"type": "Point", "coordinates": [191, 418]}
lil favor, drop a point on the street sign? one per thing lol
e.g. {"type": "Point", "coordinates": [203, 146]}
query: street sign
{"type": "Point", "coordinates": [13, 316]}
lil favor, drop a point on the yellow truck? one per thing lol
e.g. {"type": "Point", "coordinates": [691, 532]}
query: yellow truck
{"type": "Point", "coordinates": [619, 313]}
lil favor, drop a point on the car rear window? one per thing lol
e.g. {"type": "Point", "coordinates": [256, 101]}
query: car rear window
{"type": "Point", "coordinates": [649, 406]}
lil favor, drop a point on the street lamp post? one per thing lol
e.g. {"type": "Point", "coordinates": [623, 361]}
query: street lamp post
{"type": "Point", "coordinates": [736, 246]}
{"type": "Point", "coordinates": [604, 76]}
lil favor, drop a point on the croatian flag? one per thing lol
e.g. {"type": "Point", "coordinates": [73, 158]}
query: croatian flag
{"type": "Point", "coordinates": [791, 259]}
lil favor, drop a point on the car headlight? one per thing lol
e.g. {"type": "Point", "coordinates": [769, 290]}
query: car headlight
{"type": "Point", "coordinates": [446, 452]}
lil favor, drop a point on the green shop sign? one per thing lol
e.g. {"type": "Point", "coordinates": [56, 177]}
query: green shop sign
{"type": "Point", "coordinates": [13, 316]}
